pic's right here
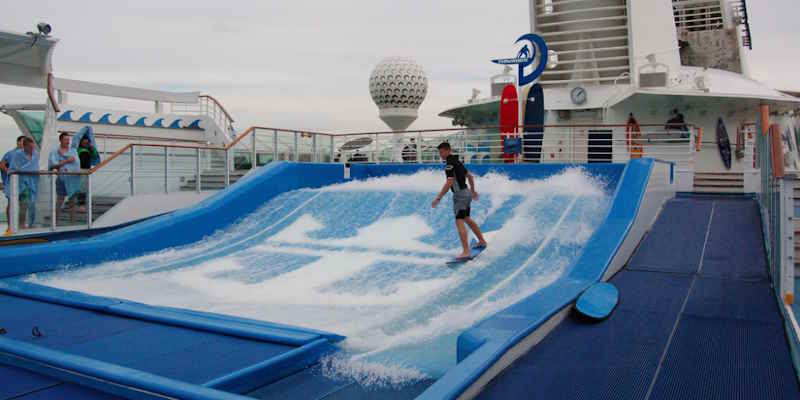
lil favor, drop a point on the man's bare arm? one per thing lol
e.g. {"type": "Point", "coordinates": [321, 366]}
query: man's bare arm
{"type": "Point", "coordinates": [442, 192]}
{"type": "Point", "coordinates": [472, 186]}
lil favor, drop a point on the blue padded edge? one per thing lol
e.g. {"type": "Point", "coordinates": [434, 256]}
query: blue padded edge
{"type": "Point", "coordinates": [174, 229]}
{"type": "Point", "coordinates": [86, 117]}
{"type": "Point", "coordinates": [159, 123]}
{"type": "Point", "coordinates": [101, 375]}
{"type": "Point", "coordinates": [140, 122]}
{"type": "Point", "coordinates": [495, 335]}
{"type": "Point", "coordinates": [66, 116]}
{"type": "Point", "coordinates": [175, 124]}
{"type": "Point", "coordinates": [194, 125]}
{"type": "Point", "coordinates": [123, 120]}
{"type": "Point", "coordinates": [269, 371]}
{"type": "Point", "coordinates": [214, 323]}
{"type": "Point", "coordinates": [104, 119]}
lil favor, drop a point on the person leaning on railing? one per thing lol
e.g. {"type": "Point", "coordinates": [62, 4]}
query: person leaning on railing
{"type": "Point", "coordinates": [26, 161]}
{"type": "Point", "coordinates": [5, 164]}
{"type": "Point", "coordinates": [65, 159]}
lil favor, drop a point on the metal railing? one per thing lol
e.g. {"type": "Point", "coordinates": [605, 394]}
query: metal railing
{"type": "Point", "coordinates": [159, 167]}
{"type": "Point", "coordinates": [211, 107]}
{"type": "Point", "coordinates": [777, 204]}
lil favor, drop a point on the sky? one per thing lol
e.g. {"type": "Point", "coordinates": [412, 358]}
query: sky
{"type": "Point", "coordinates": [305, 64]}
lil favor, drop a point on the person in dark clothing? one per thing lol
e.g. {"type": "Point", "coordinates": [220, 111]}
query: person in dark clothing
{"type": "Point", "coordinates": [410, 152]}
{"type": "Point", "coordinates": [457, 178]}
{"type": "Point", "coordinates": [87, 153]}
{"type": "Point", "coordinates": [88, 157]}
{"type": "Point", "coordinates": [677, 122]}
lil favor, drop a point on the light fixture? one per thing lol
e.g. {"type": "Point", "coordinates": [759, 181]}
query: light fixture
{"type": "Point", "coordinates": [44, 28]}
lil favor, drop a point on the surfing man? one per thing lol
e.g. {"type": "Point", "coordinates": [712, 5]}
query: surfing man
{"type": "Point", "coordinates": [457, 177]}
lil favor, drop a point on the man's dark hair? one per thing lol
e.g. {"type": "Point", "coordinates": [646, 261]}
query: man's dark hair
{"type": "Point", "coordinates": [443, 146]}
{"type": "Point", "coordinates": [22, 137]}
{"type": "Point", "coordinates": [61, 136]}
{"type": "Point", "coordinates": [27, 140]}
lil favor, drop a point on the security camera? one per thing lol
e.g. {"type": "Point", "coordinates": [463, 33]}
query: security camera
{"type": "Point", "coordinates": [44, 28]}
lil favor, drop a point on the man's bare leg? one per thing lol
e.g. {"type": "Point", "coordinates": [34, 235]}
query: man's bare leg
{"type": "Point", "coordinates": [476, 230]}
{"type": "Point", "coordinates": [462, 234]}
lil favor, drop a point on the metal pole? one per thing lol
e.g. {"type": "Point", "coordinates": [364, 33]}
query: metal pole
{"type": "Point", "coordinates": [89, 213]}
{"type": "Point", "coordinates": [53, 201]}
{"type": "Point", "coordinates": [166, 170]}
{"type": "Point", "coordinates": [314, 147]}
{"type": "Point", "coordinates": [197, 169]}
{"type": "Point", "coordinates": [13, 205]}
{"type": "Point", "coordinates": [275, 145]}
{"type": "Point", "coordinates": [375, 150]}
{"type": "Point", "coordinates": [332, 152]}
{"type": "Point", "coordinates": [787, 264]}
{"type": "Point", "coordinates": [295, 147]}
{"type": "Point", "coordinates": [133, 170]}
{"type": "Point", "coordinates": [227, 167]}
{"type": "Point", "coordinates": [253, 149]}
{"type": "Point", "coordinates": [419, 147]}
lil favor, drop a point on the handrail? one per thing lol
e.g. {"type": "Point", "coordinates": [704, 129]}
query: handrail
{"type": "Point", "coordinates": [218, 104]}
{"type": "Point", "coordinates": [251, 130]}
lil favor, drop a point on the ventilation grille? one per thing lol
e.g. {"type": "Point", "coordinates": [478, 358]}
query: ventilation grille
{"type": "Point", "coordinates": [590, 39]}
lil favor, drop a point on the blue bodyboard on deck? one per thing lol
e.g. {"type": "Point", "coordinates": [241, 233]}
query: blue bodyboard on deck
{"type": "Point", "coordinates": [473, 252]}
{"type": "Point", "coordinates": [598, 301]}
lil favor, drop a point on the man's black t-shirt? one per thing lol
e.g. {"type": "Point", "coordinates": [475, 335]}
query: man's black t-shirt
{"type": "Point", "coordinates": [456, 170]}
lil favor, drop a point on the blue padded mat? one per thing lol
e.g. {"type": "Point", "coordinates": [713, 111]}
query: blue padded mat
{"type": "Point", "coordinates": [18, 383]}
{"type": "Point", "coordinates": [675, 242]}
{"type": "Point", "coordinates": [716, 359]}
{"type": "Point", "coordinates": [735, 248]}
{"type": "Point", "coordinates": [729, 343]}
{"type": "Point", "coordinates": [311, 384]}
{"type": "Point", "coordinates": [614, 359]}
{"type": "Point", "coordinates": [172, 352]}
{"type": "Point", "coordinates": [68, 391]}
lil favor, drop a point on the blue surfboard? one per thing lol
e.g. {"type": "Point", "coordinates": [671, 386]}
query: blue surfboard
{"type": "Point", "coordinates": [598, 301]}
{"type": "Point", "coordinates": [473, 252]}
{"type": "Point", "coordinates": [534, 122]}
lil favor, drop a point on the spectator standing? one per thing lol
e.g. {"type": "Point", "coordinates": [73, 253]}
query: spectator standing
{"type": "Point", "coordinates": [26, 161]}
{"type": "Point", "coordinates": [5, 165]}
{"type": "Point", "coordinates": [64, 159]}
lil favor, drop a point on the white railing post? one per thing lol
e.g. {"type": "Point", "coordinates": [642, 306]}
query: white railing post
{"type": "Point", "coordinates": [227, 167]}
{"type": "Point", "coordinates": [253, 148]}
{"type": "Point", "coordinates": [197, 169]}
{"type": "Point", "coordinates": [53, 203]}
{"type": "Point", "coordinates": [787, 235]}
{"type": "Point", "coordinates": [275, 145]}
{"type": "Point", "coordinates": [419, 147]}
{"type": "Point", "coordinates": [375, 150]}
{"type": "Point", "coordinates": [13, 204]}
{"type": "Point", "coordinates": [89, 213]}
{"type": "Point", "coordinates": [133, 170]}
{"type": "Point", "coordinates": [166, 169]}
{"type": "Point", "coordinates": [332, 150]}
{"type": "Point", "coordinates": [296, 151]}
{"type": "Point", "coordinates": [313, 147]}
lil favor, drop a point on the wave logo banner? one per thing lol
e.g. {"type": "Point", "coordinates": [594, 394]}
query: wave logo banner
{"type": "Point", "coordinates": [532, 45]}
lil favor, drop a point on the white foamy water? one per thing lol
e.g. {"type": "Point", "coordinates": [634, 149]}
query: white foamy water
{"type": "Point", "coordinates": [366, 259]}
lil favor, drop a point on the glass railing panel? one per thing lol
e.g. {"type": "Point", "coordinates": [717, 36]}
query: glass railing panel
{"type": "Point", "coordinates": [182, 171]}
{"type": "Point", "coordinates": [212, 169]}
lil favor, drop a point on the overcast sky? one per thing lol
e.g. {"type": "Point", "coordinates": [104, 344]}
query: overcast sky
{"type": "Point", "coordinates": [306, 64]}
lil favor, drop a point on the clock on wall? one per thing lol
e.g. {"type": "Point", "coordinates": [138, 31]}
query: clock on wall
{"type": "Point", "coordinates": [578, 95]}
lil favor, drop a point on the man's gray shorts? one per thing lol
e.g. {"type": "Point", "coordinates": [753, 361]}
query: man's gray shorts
{"type": "Point", "coordinates": [462, 200]}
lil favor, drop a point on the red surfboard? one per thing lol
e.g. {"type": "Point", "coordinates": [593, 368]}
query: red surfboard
{"type": "Point", "coordinates": [509, 117]}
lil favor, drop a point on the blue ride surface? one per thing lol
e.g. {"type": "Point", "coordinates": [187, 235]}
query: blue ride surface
{"type": "Point", "coordinates": [275, 228]}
